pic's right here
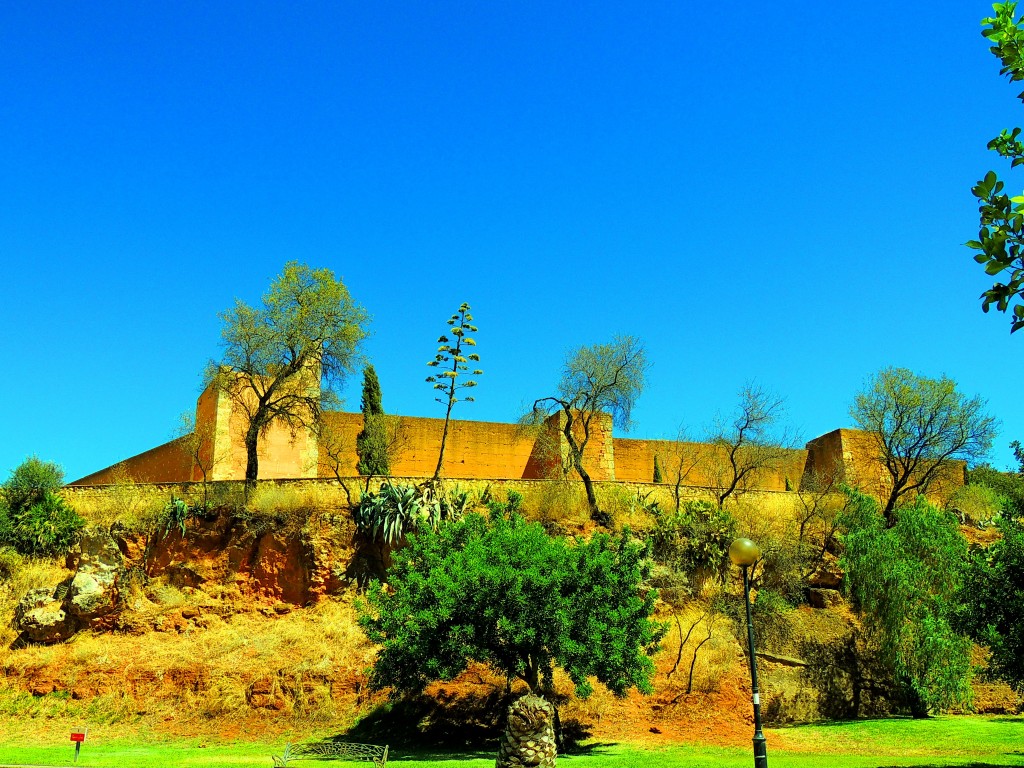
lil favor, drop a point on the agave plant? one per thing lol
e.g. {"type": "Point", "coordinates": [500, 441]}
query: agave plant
{"type": "Point", "coordinates": [390, 513]}
{"type": "Point", "coordinates": [396, 510]}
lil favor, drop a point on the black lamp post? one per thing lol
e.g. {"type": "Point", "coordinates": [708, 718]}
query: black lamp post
{"type": "Point", "coordinates": [744, 553]}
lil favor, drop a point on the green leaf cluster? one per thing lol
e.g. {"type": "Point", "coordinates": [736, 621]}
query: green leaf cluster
{"type": "Point", "coordinates": [695, 539]}
{"type": "Point", "coordinates": [905, 578]}
{"type": "Point", "coordinates": [34, 519]}
{"type": "Point", "coordinates": [1001, 231]}
{"type": "Point", "coordinates": [453, 361]}
{"type": "Point", "coordinates": [500, 591]}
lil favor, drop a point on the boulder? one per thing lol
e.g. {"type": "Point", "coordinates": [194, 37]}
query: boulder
{"type": "Point", "coordinates": [93, 593]}
{"type": "Point", "coordinates": [41, 618]}
{"type": "Point", "coordinates": [824, 598]}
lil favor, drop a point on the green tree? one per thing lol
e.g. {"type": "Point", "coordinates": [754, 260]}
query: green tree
{"type": "Point", "coordinates": [597, 379]}
{"type": "Point", "coordinates": [919, 426]}
{"type": "Point", "coordinates": [34, 519]}
{"type": "Point", "coordinates": [905, 578]}
{"type": "Point", "coordinates": [1001, 233]}
{"type": "Point", "coordinates": [991, 602]}
{"type": "Point", "coordinates": [283, 360]}
{"type": "Point", "coordinates": [371, 442]}
{"type": "Point", "coordinates": [453, 362]}
{"type": "Point", "coordinates": [500, 591]}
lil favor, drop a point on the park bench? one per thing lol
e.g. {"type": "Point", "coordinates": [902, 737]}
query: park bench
{"type": "Point", "coordinates": [332, 750]}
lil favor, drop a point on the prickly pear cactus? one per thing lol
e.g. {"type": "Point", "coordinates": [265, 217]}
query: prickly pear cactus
{"type": "Point", "coordinates": [529, 738]}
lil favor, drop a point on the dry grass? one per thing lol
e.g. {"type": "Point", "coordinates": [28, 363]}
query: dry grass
{"type": "Point", "coordinates": [701, 638]}
{"type": "Point", "coordinates": [216, 667]}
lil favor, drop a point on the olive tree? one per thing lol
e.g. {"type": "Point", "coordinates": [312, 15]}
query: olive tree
{"type": "Point", "coordinates": [918, 427]}
{"type": "Point", "coordinates": [596, 380]}
{"type": "Point", "coordinates": [284, 359]}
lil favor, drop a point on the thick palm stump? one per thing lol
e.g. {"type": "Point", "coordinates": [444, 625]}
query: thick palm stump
{"type": "Point", "coordinates": [529, 738]}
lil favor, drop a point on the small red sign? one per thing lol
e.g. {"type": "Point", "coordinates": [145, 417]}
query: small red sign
{"type": "Point", "coordinates": [78, 737]}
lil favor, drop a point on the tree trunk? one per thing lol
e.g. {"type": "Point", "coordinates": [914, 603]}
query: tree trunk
{"type": "Point", "coordinates": [252, 461]}
{"type": "Point", "coordinates": [601, 518]}
{"type": "Point", "coordinates": [529, 738]}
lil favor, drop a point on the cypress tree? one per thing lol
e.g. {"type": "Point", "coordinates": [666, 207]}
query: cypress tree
{"type": "Point", "coordinates": [657, 469]}
{"type": "Point", "coordinates": [371, 442]}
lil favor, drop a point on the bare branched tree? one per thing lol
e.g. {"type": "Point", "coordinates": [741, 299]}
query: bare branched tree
{"type": "Point", "coordinates": [196, 440]}
{"type": "Point", "coordinates": [683, 459]}
{"type": "Point", "coordinates": [754, 442]}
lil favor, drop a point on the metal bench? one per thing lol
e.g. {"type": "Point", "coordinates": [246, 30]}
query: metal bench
{"type": "Point", "coordinates": [333, 750]}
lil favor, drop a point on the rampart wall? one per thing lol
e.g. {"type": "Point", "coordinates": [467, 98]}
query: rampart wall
{"type": "Point", "coordinates": [480, 450]}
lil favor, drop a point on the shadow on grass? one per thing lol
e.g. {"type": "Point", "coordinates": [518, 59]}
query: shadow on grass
{"type": "Point", "coordinates": [449, 726]}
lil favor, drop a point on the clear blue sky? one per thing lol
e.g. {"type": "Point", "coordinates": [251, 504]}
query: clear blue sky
{"type": "Point", "coordinates": [769, 192]}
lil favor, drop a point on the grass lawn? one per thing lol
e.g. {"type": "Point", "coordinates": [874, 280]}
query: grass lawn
{"type": "Point", "coordinates": [983, 742]}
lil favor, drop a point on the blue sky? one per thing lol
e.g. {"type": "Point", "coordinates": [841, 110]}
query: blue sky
{"type": "Point", "coordinates": [767, 192]}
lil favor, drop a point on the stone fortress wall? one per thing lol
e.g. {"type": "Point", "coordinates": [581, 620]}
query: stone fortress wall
{"type": "Point", "coordinates": [478, 450]}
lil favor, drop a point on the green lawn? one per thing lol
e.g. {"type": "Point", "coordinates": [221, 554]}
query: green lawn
{"type": "Point", "coordinates": [984, 742]}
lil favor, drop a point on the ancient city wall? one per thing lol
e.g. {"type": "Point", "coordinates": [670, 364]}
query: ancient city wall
{"type": "Point", "coordinates": [480, 450]}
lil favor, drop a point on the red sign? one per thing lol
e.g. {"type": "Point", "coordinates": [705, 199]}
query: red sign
{"type": "Point", "coordinates": [78, 737]}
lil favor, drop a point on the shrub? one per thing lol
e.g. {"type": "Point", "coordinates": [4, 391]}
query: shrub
{"type": "Point", "coordinates": [1007, 484]}
{"type": "Point", "coordinates": [29, 482]}
{"type": "Point", "coordinates": [694, 540]}
{"type": "Point", "coordinates": [10, 563]}
{"type": "Point", "coordinates": [47, 528]}
{"type": "Point", "coordinates": [977, 504]}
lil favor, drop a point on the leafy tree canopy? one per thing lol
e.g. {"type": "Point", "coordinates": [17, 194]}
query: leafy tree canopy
{"type": "Point", "coordinates": [920, 425]}
{"type": "Point", "coordinates": [283, 360]}
{"type": "Point", "coordinates": [502, 592]}
{"type": "Point", "coordinates": [905, 578]}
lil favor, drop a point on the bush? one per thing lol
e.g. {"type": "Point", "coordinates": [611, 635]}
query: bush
{"type": "Point", "coordinates": [29, 482]}
{"type": "Point", "coordinates": [36, 520]}
{"type": "Point", "coordinates": [1007, 484]}
{"type": "Point", "coordinates": [694, 540]}
{"type": "Point", "coordinates": [10, 563]}
{"type": "Point", "coordinates": [48, 528]}
{"type": "Point", "coordinates": [977, 504]}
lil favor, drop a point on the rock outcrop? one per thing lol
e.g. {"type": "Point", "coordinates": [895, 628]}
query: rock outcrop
{"type": "Point", "coordinates": [41, 618]}
{"type": "Point", "coordinates": [90, 599]}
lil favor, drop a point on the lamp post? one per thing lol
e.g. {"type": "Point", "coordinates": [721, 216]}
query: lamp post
{"type": "Point", "coordinates": [744, 553]}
